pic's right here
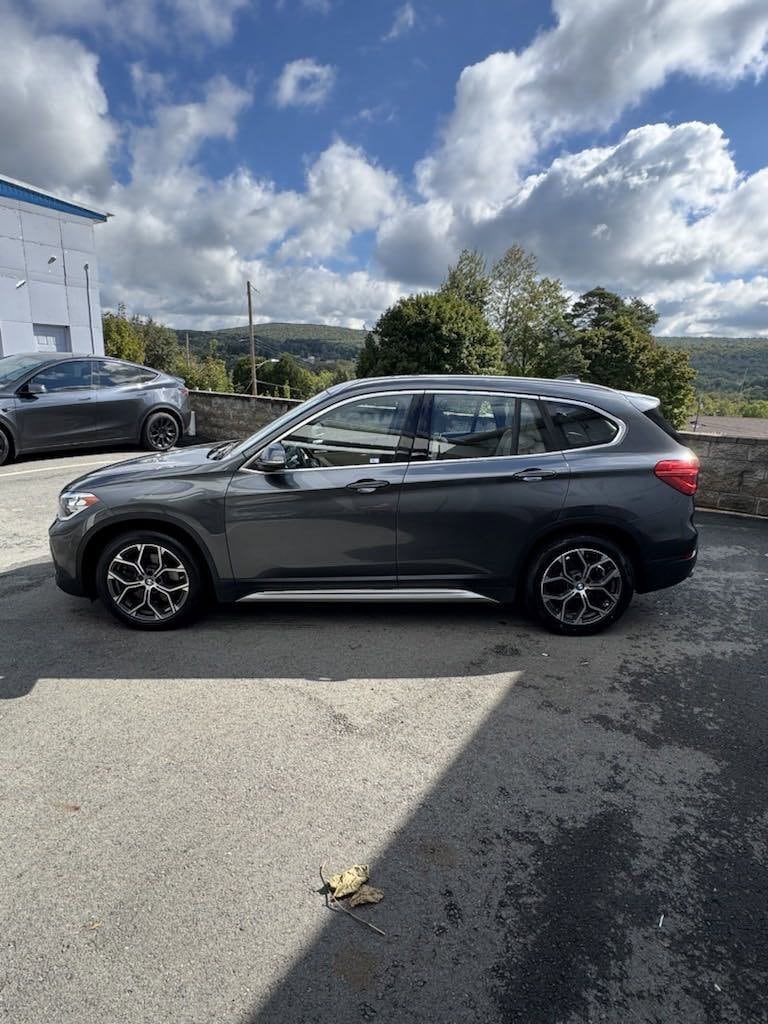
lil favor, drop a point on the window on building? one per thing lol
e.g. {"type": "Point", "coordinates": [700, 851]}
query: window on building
{"type": "Point", "coordinates": [52, 338]}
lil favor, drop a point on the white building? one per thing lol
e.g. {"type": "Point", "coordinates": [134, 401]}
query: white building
{"type": "Point", "coordinates": [49, 284]}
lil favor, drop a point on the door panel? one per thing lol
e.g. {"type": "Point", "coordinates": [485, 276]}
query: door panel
{"type": "Point", "coordinates": [122, 398]}
{"type": "Point", "coordinates": [473, 505]}
{"type": "Point", "coordinates": [329, 518]}
{"type": "Point", "coordinates": [64, 413]}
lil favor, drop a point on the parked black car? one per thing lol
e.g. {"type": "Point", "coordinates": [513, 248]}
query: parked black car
{"type": "Point", "coordinates": [51, 401]}
{"type": "Point", "coordinates": [570, 495]}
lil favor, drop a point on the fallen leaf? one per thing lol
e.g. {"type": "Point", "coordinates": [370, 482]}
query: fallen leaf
{"type": "Point", "coordinates": [366, 894]}
{"type": "Point", "coordinates": [349, 881]}
{"type": "Point", "coordinates": [69, 807]}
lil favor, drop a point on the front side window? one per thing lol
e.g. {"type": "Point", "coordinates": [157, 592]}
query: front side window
{"type": "Point", "coordinates": [481, 426]}
{"type": "Point", "coordinates": [365, 432]}
{"type": "Point", "coordinates": [72, 375]}
{"type": "Point", "coordinates": [577, 426]}
{"type": "Point", "coordinates": [112, 373]}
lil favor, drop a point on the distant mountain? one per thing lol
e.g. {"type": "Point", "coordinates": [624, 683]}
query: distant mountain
{"type": "Point", "coordinates": [727, 364]}
{"type": "Point", "coordinates": [313, 342]}
{"type": "Point", "coordinates": [723, 364]}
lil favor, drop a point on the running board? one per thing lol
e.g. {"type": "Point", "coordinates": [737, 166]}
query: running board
{"type": "Point", "coordinates": [410, 594]}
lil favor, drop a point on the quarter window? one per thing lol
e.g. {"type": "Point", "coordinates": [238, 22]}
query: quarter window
{"type": "Point", "coordinates": [483, 426]}
{"type": "Point", "coordinates": [362, 433]}
{"type": "Point", "coordinates": [72, 375]}
{"type": "Point", "coordinates": [577, 426]}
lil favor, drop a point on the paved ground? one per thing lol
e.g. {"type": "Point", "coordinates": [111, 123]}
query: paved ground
{"type": "Point", "coordinates": [566, 831]}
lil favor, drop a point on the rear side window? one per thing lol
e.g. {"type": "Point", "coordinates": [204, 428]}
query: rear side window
{"type": "Point", "coordinates": [111, 373]}
{"type": "Point", "coordinates": [483, 426]}
{"type": "Point", "coordinates": [577, 426]}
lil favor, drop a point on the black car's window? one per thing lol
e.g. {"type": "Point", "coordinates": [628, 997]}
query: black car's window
{"type": "Point", "coordinates": [361, 433]}
{"type": "Point", "coordinates": [480, 426]}
{"type": "Point", "coordinates": [111, 373]}
{"type": "Point", "coordinates": [577, 426]}
{"type": "Point", "coordinates": [71, 375]}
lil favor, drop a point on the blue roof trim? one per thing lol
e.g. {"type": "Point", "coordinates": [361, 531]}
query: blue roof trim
{"type": "Point", "coordinates": [28, 195]}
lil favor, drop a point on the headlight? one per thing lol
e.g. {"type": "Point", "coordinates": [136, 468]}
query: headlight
{"type": "Point", "coordinates": [72, 502]}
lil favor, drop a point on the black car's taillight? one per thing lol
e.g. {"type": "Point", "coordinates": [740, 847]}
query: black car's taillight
{"type": "Point", "coordinates": [682, 474]}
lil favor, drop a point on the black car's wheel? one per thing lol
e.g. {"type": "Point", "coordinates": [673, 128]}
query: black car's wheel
{"type": "Point", "coordinates": [150, 581]}
{"type": "Point", "coordinates": [579, 585]}
{"type": "Point", "coordinates": [161, 431]}
{"type": "Point", "coordinates": [6, 448]}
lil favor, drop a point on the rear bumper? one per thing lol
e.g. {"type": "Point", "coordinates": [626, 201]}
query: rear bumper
{"type": "Point", "coordinates": [667, 572]}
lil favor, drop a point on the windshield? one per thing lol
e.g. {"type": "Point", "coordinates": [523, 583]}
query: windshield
{"type": "Point", "coordinates": [13, 367]}
{"type": "Point", "coordinates": [299, 410]}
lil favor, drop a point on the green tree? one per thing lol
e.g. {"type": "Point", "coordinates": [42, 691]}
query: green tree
{"type": "Point", "coordinates": [530, 314]}
{"type": "Point", "coordinates": [207, 374]}
{"type": "Point", "coordinates": [468, 279]}
{"type": "Point", "coordinates": [161, 346]}
{"type": "Point", "coordinates": [437, 333]}
{"type": "Point", "coordinates": [620, 351]}
{"type": "Point", "coordinates": [121, 340]}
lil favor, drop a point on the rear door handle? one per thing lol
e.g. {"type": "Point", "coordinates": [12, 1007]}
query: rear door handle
{"type": "Point", "coordinates": [535, 474]}
{"type": "Point", "coordinates": [367, 486]}
{"type": "Point", "coordinates": [89, 399]}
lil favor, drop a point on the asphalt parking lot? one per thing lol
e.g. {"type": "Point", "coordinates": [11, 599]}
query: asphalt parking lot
{"type": "Point", "coordinates": [565, 830]}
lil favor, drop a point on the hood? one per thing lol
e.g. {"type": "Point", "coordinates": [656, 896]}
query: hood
{"type": "Point", "coordinates": [179, 460]}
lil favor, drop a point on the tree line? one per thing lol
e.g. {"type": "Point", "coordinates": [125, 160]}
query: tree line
{"type": "Point", "coordinates": [509, 319]}
{"type": "Point", "coordinates": [506, 318]}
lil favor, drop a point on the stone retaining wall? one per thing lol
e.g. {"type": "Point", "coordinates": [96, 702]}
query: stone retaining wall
{"type": "Point", "coordinates": [734, 470]}
{"type": "Point", "coordinates": [219, 417]}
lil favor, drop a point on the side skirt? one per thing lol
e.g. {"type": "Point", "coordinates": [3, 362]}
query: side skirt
{"type": "Point", "coordinates": [404, 594]}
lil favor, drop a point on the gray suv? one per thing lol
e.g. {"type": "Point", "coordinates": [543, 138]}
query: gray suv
{"type": "Point", "coordinates": [568, 495]}
{"type": "Point", "coordinates": [52, 401]}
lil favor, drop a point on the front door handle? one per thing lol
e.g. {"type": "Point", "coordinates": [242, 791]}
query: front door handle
{"type": "Point", "coordinates": [535, 474]}
{"type": "Point", "coordinates": [367, 486]}
{"type": "Point", "coordinates": [88, 399]}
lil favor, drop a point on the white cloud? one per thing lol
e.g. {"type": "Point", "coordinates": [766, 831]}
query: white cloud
{"type": "Point", "coordinates": [152, 21]}
{"type": "Point", "coordinates": [304, 83]}
{"type": "Point", "coordinates": [55, 128]}
{"type": "Point", "coordinates": [404, 21]}
{"type": "Point", "coordinates": [602, 57]}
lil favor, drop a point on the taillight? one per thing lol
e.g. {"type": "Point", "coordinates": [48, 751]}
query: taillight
{"type": "Point", "coordinates": [682, 474]}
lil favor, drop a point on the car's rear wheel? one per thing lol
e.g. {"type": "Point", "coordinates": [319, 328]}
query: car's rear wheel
{"type": "Point", "coordinates": [150, 581]}
{"type": "Point", "coordinates": [161, 431]}
{"type": "Point", "coordinates": [579, 585]}
{"type": "Point", "coordinates": [6, 448]}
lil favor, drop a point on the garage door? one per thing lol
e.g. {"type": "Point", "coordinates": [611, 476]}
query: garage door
{"type": "Point", "coordinates": [52, 338]}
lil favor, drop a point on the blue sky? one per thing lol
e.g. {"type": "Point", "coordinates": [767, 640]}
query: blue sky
{"type": "Point", "coordinates": [342, 153]}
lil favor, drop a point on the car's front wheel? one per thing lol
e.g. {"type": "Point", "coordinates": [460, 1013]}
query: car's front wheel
{"type": "Point", "coordinates": [161, 431]}
{"type": "Point", "coordinates": [579, 585]}
{"type": "Point", "coordinates": [150, 581]}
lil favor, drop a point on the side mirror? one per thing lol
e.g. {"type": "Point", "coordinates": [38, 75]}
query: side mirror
{"type": "Point", "coordinates": [30, 390]}
{"type": "Point", "coordinates": [272, 458]}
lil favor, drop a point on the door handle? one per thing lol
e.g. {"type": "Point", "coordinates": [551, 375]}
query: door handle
{"type": "Point", "coordinates": [88, 399]}
{"type": "Point", "coordinates": [367, 486]}
{"type": "Point", "coordinates": [535, 474]}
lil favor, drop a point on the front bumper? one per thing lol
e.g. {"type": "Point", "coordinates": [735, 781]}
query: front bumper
{"type": "Point", "coordinates": [65, 538]}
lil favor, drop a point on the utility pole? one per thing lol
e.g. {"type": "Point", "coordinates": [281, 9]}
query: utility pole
{"type": "Point", "coordinates": [189, 361]}
{"type": "Point", "coordinates": [254, 384]}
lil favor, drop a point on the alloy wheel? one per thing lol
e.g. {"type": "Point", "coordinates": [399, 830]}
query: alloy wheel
{"type": "Point", "coordinates": [163, 432]}
{"type": "Point", "coordinates": [148, 582]}
{"type": "Point", "coordinates": [581, 587]}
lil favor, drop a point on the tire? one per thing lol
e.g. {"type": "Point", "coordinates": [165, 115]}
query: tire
{"type": "Point", "coordinates": [170, 593]}
{"type": "Point", "coordinates": [161, 431]}
{"type": "Point", "coordinates": [6, 448]}
{"type": "Point", "coordinates": [579, 585]}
